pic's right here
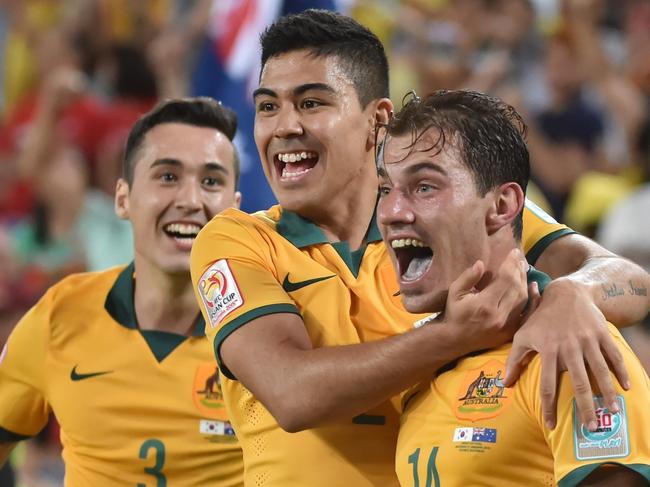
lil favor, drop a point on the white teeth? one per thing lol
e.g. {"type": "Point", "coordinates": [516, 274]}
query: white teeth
{"type": "Point", "coordinates": [293, 157]}
{"type": "Point", "coordinates": [406, 242]}
{"type": "Point", "coordinates": [187, 230]}
{"type": "Point", "coordinates": [286, 173]}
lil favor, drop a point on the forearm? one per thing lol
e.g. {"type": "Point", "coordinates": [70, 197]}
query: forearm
{"type": "Point", "coordinates": [313, 386]}
{"type": "Point", "coordinates": [618, 287]}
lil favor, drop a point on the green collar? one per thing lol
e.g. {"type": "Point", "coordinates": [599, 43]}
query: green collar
{"type": "Point", "coordinates": [542, 280]}
{"type": "Point", "coordinates": [119, 302]}
{"type": "Point", "coordinates": [303, 233]}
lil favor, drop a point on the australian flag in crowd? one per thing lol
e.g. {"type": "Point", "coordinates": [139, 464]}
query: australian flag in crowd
{"type": "Point", "coordinates": [228, 68]}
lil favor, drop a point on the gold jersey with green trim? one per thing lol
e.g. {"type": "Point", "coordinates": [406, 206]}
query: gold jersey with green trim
{"type": "Point", "coordinates": [247, 266]}
{"type": "Point", "coordinates": [135, 407]}
{"type": "Point", "coordinates": [465, 428]}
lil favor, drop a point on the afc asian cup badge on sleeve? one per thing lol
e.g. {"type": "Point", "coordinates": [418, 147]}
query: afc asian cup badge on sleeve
{"type": "Point", "coordinates": [610, 440]}
{"type": "Point", "coordinates": [219, 292]}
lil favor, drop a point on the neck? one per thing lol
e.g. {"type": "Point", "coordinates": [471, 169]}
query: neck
{"type": "Point", "coordinates": [499, 246]}
{"type": "Point", "coordinates": [347, 217]}
{"type": "Point", "coordinates": [163, 301]}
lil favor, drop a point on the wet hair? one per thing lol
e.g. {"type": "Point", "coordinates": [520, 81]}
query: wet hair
{"type": "Point", "coordinates": [487, 132]}
{"type": "Point", "coordinates": [198, 111]}
{"type": "Point", "coordinates": [323, 34]}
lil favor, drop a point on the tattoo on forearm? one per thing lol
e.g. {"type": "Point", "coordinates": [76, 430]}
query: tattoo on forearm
{"type": "Point", "coordinates": [637, 291]}
{"type": "Point", "coordinates": [613, 291]}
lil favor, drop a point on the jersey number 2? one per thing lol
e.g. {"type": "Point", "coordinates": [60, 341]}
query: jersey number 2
{"type": "Point", "coordinates": [432, 473]}
{"type": "Point", "coordinates": [159, 454]}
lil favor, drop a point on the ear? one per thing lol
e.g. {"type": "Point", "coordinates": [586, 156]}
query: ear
{"type": "Point", "coordinates": [507, 203]}
{"type": "Point", "coordinates": [122, 191]}
{"type": "Point", "coordinates": [380, 112]}
{"type": "Point", "coordinates": [237, 200]}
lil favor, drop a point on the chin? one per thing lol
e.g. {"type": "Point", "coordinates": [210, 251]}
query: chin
{"type": "Point", "coordinates": [425, 303]}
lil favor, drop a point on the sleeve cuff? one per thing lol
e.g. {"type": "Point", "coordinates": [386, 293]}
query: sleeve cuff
{"type": "Point", "coordinates": [241, 320]}
{"type": "Point", "coordinates": [539, 247]}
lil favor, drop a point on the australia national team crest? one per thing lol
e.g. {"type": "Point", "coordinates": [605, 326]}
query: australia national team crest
{"type": "Point", "coordinates": [219, 292]}
{"type": "Point", "coordinates": [207, 394]}
{"type": "Point", "coordinates": [481, 394]}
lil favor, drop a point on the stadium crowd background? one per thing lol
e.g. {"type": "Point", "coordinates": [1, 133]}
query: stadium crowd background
{"type": "Point", "coordinates": [75, 75]}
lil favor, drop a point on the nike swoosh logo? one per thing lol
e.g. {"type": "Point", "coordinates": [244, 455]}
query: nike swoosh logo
{"type": "Point", "coordinates": [75, 376]}
{"type": "Point", "coordinates": [290, 287]}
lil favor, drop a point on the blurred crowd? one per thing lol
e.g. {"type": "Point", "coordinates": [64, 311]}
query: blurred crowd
{"type": "Point", "coordinates": [76, 74]}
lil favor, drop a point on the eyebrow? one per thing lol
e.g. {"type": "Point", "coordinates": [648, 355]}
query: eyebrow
{"type": "Point", "coordinates": [420, 166]}
{"type": "Point", "coordinates": [169, 161]}
{"type": "Point", "coordinates": [298, 90]}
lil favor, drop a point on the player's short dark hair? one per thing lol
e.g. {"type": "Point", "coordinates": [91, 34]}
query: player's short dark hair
{"type": "Point", "coordinates": [324, 33]}
{"type": "Point", "coordinates": [198, 111]}
{"type": "Point", "coordinates": [488, 133]}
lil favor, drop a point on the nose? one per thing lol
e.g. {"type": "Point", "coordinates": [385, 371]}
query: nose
{"type": "Point", "coordinates": [288, 123]}
{"type": "Point", "coordinates": [394, 208]}
{"type": "Point", "coordinates": [188, 197]}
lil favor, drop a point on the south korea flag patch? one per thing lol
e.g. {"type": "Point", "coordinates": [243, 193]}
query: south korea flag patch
{"type": "Point", "coordinates": [219, 292]}
{"type": "Point", "coordinates": [610, 440]}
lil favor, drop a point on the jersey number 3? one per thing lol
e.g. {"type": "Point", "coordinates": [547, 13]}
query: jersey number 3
{"type": "Point", "coordinates": [433, 480]}
{"type": "Point", "coordinates": [159, 455]}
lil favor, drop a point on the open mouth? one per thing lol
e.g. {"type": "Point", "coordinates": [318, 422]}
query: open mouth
{"type": "Point", "coordinates": [293, 165]}
{"type": "Point", "coordinates": [413, 258]}
{"type": "Point", "coordinates": [184, 233]}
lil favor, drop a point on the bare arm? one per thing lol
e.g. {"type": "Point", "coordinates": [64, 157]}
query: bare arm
{"type": "Point", "coordinates": [614, 475]}
{"type": "Point", "coordinates": [303, 386]}
{"type": "Point", "coordinates": [5, 450]}
{"type": "Point", "coordinates": [617, 286]}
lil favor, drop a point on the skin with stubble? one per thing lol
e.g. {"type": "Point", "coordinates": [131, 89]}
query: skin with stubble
{"type": "Point", "coordinates": [437, 224]}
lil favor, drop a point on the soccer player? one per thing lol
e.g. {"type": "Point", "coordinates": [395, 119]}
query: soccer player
{"type": "Point", "coordinates": [119, 356]}
{"type": "Point", "coordinates": [301, 300]}
{"type": "Point", "coordinates": [452, 182]}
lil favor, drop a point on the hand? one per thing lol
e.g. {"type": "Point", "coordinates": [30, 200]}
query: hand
{"type": "Point", "coordinates": [487, 316]}
{"type": "Point", "coordinates": [568, 329]}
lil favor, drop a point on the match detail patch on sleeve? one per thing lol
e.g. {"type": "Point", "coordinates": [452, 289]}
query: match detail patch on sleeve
{"type": "Point", "coordinates": [610, 440]}
{"type": "Point", "coordinates": [219, 292]}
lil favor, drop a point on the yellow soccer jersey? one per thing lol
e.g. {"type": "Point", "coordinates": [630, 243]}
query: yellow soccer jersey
{"type": "Point", "coordinates": [465, 428]}
{"type": "Point", "coordinates": [247, 266]}
{"type": "Point", "coordinates": [135, 407]}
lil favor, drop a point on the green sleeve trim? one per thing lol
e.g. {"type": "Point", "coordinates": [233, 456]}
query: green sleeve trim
{"type": "Point", "coordinates": [573, 478]}
{"type": "Point", "coordinates": [369, 419]}
{"type": "Point", "coordinates": [7, 436]}
{"type": "Point", "coordinates": [225, 331]}
{"type": "Point", "coordinates": [540, 246]}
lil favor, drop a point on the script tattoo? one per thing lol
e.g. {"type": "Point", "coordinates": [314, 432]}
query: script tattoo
{"type": "Point", "coordinates": [612, 291]}
{"type": "Point", "coordinates": [637, 291]}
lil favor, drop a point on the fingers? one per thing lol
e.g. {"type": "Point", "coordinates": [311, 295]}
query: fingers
{"type": "Point", "coordinates": [548, 388]}
{"type": "Point", "coordinates": [534, 298]}
{"type": "Point", "coordinates": [615, 358]}
{"type": "Point", "coordinates": [518, 359]}
{"type": "Point", "coordinates": [600, 370]}
{"type": "Point", "coordinates": [582, 390]}
{"type": "Point", "coordinates": [509, 284]}
{"type": "Point", "coordinates": [468, 280]}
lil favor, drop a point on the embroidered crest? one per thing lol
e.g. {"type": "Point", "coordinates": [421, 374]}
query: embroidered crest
{"type": "Point", "coordinates": [481, 394]}
{"type": "Point", "coordinates": [207, 394]}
